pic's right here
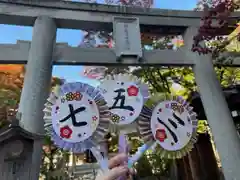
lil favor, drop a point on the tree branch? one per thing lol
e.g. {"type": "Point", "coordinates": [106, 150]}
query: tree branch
{"type": "Point", "coordinates": [152, 80]}
{"type": "Point", "coordinates": [221, 74]}
{"type": "Point", "coordinates": [165, 82]}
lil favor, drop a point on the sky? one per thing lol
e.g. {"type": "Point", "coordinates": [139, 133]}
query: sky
{"type": "Point", "coordinates": [10, 34]}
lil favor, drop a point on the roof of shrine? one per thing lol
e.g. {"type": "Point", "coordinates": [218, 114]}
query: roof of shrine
{"type": "Point", "coordinates": [232, 95]}
{"type": "Point", "coordinates": [15, 130]}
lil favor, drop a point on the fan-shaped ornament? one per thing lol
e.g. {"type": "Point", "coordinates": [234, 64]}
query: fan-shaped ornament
{"type": "Point", "coordinates": [125, 96]}
{"type": "Point", "coordinates": [171, 123]}
{"type": "Point", "coordinates": [76, 117]}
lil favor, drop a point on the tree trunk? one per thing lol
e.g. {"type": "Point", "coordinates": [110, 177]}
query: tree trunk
{"type": "Point", "coordinates": [201, 163]}
{"type": "Point", "coordinates": [174, 171]}
{"type": "Point", "coordinates": [194, 164]}
{"type": "Point", "coordinates": [208, 159]}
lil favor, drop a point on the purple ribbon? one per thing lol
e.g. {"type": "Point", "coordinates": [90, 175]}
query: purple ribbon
{"type": "Point", "coordinates": [122, 147]}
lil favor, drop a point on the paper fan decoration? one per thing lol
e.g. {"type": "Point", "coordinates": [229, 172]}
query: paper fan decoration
{"type": "Point", "coordinates": [125, 96]}
{"type": "Point", "coordinates": [76, 117]}
{"type": "Point", "coordinates": [171, 122]}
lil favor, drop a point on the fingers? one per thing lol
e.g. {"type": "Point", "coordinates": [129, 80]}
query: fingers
{"type": "Point", "coordinates": [132, 171]}
{"type": "Point", "coordinates": [117, 172]}
{"type": "Point", "coordinates": [117, 160]}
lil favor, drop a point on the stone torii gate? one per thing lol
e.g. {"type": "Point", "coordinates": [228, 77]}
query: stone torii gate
{"type": "Point", "coordinates": [43, 52]}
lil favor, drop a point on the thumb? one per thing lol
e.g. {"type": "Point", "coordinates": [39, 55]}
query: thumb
{"type": "Point", "coordinates": [116, 172]}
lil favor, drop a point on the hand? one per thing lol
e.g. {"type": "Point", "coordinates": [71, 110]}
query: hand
{"type": "Point", "coordinates": [116, 168]}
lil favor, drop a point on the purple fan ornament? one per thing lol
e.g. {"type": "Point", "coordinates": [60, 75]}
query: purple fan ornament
{"type": "Point", "coordinates": [77, 118]}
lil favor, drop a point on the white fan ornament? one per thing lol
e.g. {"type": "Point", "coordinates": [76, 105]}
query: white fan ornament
{"type": "Point", "coordinates": [76, 117]}
{"type": "Point", "coordinates": [171, 123]}
{"type": "Point", "coordinates": [125, 96]}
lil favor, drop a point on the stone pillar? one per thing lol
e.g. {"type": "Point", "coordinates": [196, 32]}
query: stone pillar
{"type": "Point", "coordinates": [37, 83]}
{"type": "Point", "coordinates": [216, 109]}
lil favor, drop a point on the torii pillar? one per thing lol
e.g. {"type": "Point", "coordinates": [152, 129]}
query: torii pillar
{"type": "Point", "coordinates": [216, 109]}
{"type": "Point", "coordinates": [37, 83]}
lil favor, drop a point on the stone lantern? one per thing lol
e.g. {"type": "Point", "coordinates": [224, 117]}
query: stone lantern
{"type": "Point", "coordinates": [16, 146]}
